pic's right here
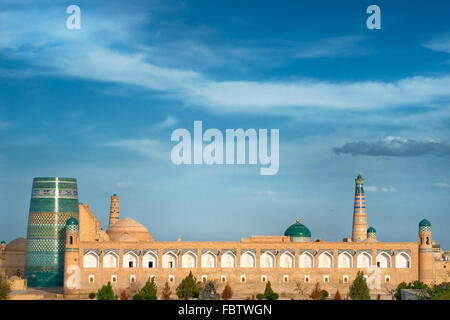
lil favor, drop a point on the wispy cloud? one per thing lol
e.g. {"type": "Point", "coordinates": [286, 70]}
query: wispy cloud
{"type": "Point", "coordinates": [265, 193]}
{"type": "Point", "coordinates": [148, 148]}
{"type": "Point", "coordinates": [89, 54]}
{"type": "Point", "coordinates": [381, 189]}
{"type": "Point", "coordinates": [169, 122]}
{"type": "Point", "coordinates": [440, 43]}
{"type": "Point", "coordinates": [441, 185]}
{"type": "Point", "coordinates": [394, 146]}
{"type": "Point", "coordinates": [329, 47]}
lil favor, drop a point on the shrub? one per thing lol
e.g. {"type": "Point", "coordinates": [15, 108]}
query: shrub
{"type": "Point", "coordinates": [227, 293]}
{"type": "Point", "coordinates": [337, 295]}
{"type": "Point", "coordinates": [323, 294]}
{"type": "Point", "coordinates": [5, 289]}
{"type": "Point", "coordinates": [189, 287]}
{"type": "Point", "coordinates": [259, 296]}
{"type": "Point", "coordinates": [359, 289]}
{"type": "Point", "coordinates": [148, 292]}
{"type": "Point", "coordinates": [92, 295]}
{"type": "Point", "coordinates": [138, 296]}
{"type": "Point", "coordinates": [123, 295]}
{"type": "Point", "coordinates": [412, 285]}
{"type": "Point", "coordinates": [268, 294]}
{"type": "Point", "coordinates": [166, 291]}
{"type": "Point", "coordinates": [106, 293]}
{"type": "Point", "coordinates": [316, 293]}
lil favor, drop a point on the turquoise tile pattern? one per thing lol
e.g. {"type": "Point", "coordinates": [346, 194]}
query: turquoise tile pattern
{"type": "Point", "coordinates": [53, 201]}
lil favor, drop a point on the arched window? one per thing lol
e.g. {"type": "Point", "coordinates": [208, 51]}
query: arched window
{"type": "Point", "coordinates": [130, 260]}
{"type": "Point", "coordinates": [306, 260]}
{"type": "Point", "coordinates": [345, 260]}
{"type": "Point", "coordinates": [209, 260]}
{"type": "Point", "coordinates": [364, 260]}
{"type": "Point", "coordinates": [383, 260]}
{"type": "Point", "coordinates": [267, 260]}
{"type": "Point", "coordinates": [228, 260]}
{"type": "Point", "coordinates": [189, 260]}
{"type": "Point", "coordinates": [149, 260]}
{"type": "Point", "coordinates": [169, 260]}
{"type": "Point", "coordinates": [90, 260]}
{"type": "Point", "coordinates": [402, 260]}
{"type": "Point", "coordinates": [110, 260]}
{"type": "Point", "coordinates": [287, 260]}
{"type": "Point", "coordinates": [325, 260]}
{"type": "Point", "coordinates": [248, 260]}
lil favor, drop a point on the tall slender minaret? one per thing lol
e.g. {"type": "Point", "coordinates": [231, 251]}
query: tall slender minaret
{"type": "Point", "coordinates": [359, 231]}
{"type": "Point", "coordinates": [114, 210]}
{"type": "Point", "coordinates": [425, 252]}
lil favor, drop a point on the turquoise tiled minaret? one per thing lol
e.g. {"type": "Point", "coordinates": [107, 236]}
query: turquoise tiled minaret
{"type": "Point", "coordinates": [53, 201]}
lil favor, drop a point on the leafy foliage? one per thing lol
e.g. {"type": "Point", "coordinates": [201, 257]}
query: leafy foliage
{"type": "Point", "coordinates": [324, 294]}
{"type": "Point", "coordinates": [189, 287]}
{"type": "Point", "coordinates": [166, 291]}
{"type": "Point", "coordinates": [268, 294]}
{"type": "Point", "coordinates": [106, 293]}
{"type": "Point", "coordinates": [92, 295]}
{"type": "Point", "coordinates": [316, 294]}
{"type": "Point", "coordinates": [337, 295]}
{"type": "Point", "coordinates": [148, 292]}
{"type": "Point", "coordinates": [359, 289]}
{"type": "Point", "coordinates": [5, 289]}
{"type": "Point", "coordinates": [227, 292]}
{"type": "Point", "coordinates": [412, 285]}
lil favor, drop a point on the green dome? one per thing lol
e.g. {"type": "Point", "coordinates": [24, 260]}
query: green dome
{"type": "Point", "coordinates": [371, 230]}
{"type": "Point", "coordinates": [424, 223]}
{"type": "Point", "coordinates": [3, 241]}
{"type": "Point", "coordinates": [71, 222]}
{"type": "Point", "coordinates": [298, 230]}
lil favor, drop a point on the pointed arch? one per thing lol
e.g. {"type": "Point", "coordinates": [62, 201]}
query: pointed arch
{"type": "Point", "coordinates": [306, 260]}
{"type": "Point", "coordinates": [248, 260]}
{"type": "Point", "coordinates": [287, 260]}
{"type": "Point", "coordinates": [364, 260]}
{"type": "Point", "coordinates": [111, 260]}
{"type": "Point", "coordinates": [267, 260]}
{"type": "Point", "coordinates": [228, 260]}
{"type": "Point", "coordinates": [150, 260]}
{"type": "Point", "coordinates": [402, 260]}
{"type": "Point", "coordinates": [325, 260]}
{"type": "Point", "coordinates": [90, 260]}
{"type": "Point", "coordinates": [169, 260]}
{"type": "Point", "coordinates": [189, 260]}
{"type": "Point", "coordinates": [384, 260]}
{"type": "Point", "coordinates": [345, 260]}
{"type": "Point", "coordinates": [209, 259]}
{"type": "Point", "coordinates": [130, 260]}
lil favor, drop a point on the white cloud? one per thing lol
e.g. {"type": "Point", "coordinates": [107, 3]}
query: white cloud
{"type": "Point", "coordinates": [124, 184]}
{"type": "Point", "coordinates": [148, 148]}
{"type": "Point", "coordinates": [167, 123]}
{"type": "Point", "coordinates": [382, 189]}
{"type": "Point", "coordinates": [440, 43]}
{"type": "Point", "coordinates": [441, 185]}
{"type": "Point", "coordinates": [370, 189]}
{"type": "Point", "coordinates": [268, 193]}
{"type": "Point", "coordinates": [89, 54]}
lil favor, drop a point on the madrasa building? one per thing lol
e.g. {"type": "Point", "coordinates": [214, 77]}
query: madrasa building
{"type": "Point", "coordinates": [66, 247]}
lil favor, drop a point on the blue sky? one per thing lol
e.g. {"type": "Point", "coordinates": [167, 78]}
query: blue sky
{"type": "Point", "coordinates": [100, 103]}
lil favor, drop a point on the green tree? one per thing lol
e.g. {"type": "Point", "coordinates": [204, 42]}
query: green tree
{"type": "Point", "coordinates": [5, 289]}
{"type": "Point", "coordinates": [359, 289]}
{"type": "Point", "coordinates": [148, 292]}
{"type": "Point", "coordinates": [189, 287]}
{"type": "Point", "coordinates": [106, 293]}
{"type": "Point", "coordinates": [268, 294]}
{"type": "Point", "coordinates": [412, 285]}
{"type": "Point", "coordinates": [324, 294]}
